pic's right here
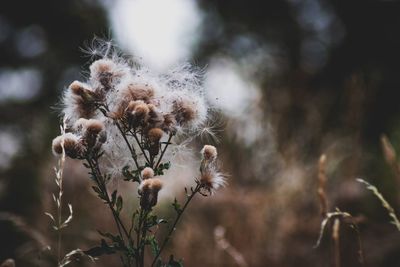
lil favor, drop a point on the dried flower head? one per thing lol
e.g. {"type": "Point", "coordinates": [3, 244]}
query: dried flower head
{"type": "Point", "coordinates": [155, 135]}
{"type": "Point", "coordinates": [148, 189]}
{"type": "Point", "coordinates": [94, 126]}
{"type": "Point", "coordinates": [131, 99]}
{"type": "Point", "coordinates": [209, 152]}
{"type": "Point", "coordinates": [134, 91]}
{"type": "Point", "coordinates": [211, 179]}
{"type": "Point", "coordinates": [147, 173]}
{"type": "Point", "coordinates": [169, 124]}
{"type": "Point", "coordinates": [79, 101]}
{"type": "Point", "coordinates": [103, 73]}
{"type": "Point", "coordinates": [72, 146]}
{"type": "Point", "coordinates": [137, 113]}
{"type": "Point", "coordinates": [189, 109]}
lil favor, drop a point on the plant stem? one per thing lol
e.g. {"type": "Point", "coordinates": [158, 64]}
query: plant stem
{"type": "Point", "coordinates": [163, 152]}
{"type": "Point", "coordinates": [189, 198]}
{"type": "Point", "coordinates": [59, 210]}
{"type": "Point", "coordinates": [143, 237]}
{"type": "Point", "coordinates": [140, 146]}
{"type": "Point", "coordinates": [100, 182]}
{"type": "Point", "coordinates": [59, 177]}
{"type": "Point", "coordinates": [131, 149]}
{"type": "Point", "coordinates": [138, 239]}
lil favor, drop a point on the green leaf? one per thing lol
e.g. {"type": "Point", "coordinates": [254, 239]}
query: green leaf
{"type": "Point", "coordinates": [118, 243]}
{"type": "Point", "coordinates": [119, 204]}
{"type": "Point", "coordinates": [154, 245]}
{"type": "Point", "coordinates": [161, 167]}
{"type": "Point", "coordinates": [113, 197]}
{"type": "Point", "coordinates": [131, 175]}
{"type": "Point", "coordinates": [173, 263]}
{"type": "Point", "coordinates": [103, 249]}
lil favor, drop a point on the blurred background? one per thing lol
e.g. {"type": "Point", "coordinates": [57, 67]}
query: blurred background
{"type": "Point", "coordinates": [290, 79]}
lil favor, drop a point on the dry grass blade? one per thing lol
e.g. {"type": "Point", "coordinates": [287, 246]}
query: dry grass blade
{"type": "Point", "coordinates": [323, 200]}
{"type": "Point", "coordinates": [383, 201]}
{"type": "Point", "coordinates": [74, 255]}
{"type": "Point", "coordinates": [336, 241]}
{"type": "Point", "coordinates": [223, 244]}
{"type": "Point", "coordinates": [325, 221]}
{"type": "Point", "coordinates": [388, 150]}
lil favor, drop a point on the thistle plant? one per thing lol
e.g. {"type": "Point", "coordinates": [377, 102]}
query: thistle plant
{"type": "Point", "coordinates": [127, 123]}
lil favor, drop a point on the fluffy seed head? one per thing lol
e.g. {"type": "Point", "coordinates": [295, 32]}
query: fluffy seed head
{"type": "Point", "coordinates": [102, 66]}
{"type": "Point", "coordinates": [156, 184]}
{"type": "Point", "coordinates": [148, 189]}
{"type": "Point", "coordinates": [169, 123]}
{"type": "Point", "coordinates": [155, 118]}
{"type": "Point", "coordinates": [142, 110]}
{"type": "Point", "coordinates": [151, 184]}
{"type": "Point", "coordinates": [136, 92]}
{"type": "Point", "coordinates": [94, 126]}
{"type": "Point", "coordinates": [79, 101]}
{"type": "Point", "coordinates": [133, 104]}
{"type": "Point", "coordinates": [211, 179]}
{"type": "Point", "coordinates": [78, 88]}
{"type": "Point", "coordinates": [147, 173]}
{"type": "Point", "coordinates": [209, 153]}
{"type": "Point", "coordinates": [105, 74]}
{"type": "Point", "coordinates": [155, 135]}
{"type": "Point", "coordinates": [80, 124]}
{"type": "Point", "coordinates": [183, 111]}
{"type": "Point", "coordinates": [72, 146]}
{"type": "Point", "coordinates": [83, 90]}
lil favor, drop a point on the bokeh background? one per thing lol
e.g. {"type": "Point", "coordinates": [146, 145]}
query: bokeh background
{"type": "Point", "coordinates": [290, 80]}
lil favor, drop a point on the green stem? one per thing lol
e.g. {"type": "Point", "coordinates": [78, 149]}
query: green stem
{"type": "Point", "coordinates": [140, 146]}
{"type": "Point", "coordinates": [143, 240]}
{"type": "Point", "coordinates": [190, 197]}
{"type": "Point", "coordinates": [138, 239]}
{"type": "Point", "coordinates": [163, 152]}
{"type": "Point", "coordinates": [131, 149]}
{"type": "Point", "coordinates": [100, 182]}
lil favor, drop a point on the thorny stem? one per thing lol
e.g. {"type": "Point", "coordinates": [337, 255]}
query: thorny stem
{"type": "Point", "coordinates": [163, 152]}
{"type": "Point", "coordinates": [172, 229]}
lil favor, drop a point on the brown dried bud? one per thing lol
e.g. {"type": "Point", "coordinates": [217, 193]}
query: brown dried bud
{"type": "Point", "coordinates": [169, 124]}
{"type": "Point", "coordinates": [183, 111]}
{"type": "Point", "coordinates": [147, 173]}
{"type": "Point", "coordinates": [209, 152]}
{"type": "Point", "coordinates": [82, 90]}
{"type": "Point", "coordinates": [73, 148]}
{"type": "Point", "coordinates": [138, 92]}
{"type": "Point", "coordinates": [148, 190]}
{"type": "Point", "coordinates": [104, 71]}
{"type": "Point", "coordinates": [155, 135]}
{"type": "Point", "coordinates": [94, 126]}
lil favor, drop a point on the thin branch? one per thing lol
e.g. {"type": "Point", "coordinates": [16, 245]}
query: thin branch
{"type": "Point", "coordinates": [172, 229]}
{"type": "Point", "coordinates": [163, 152]}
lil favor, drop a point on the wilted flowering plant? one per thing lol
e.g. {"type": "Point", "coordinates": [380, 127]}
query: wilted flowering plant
{"type": "Point", "coordinates": [121, 123]}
